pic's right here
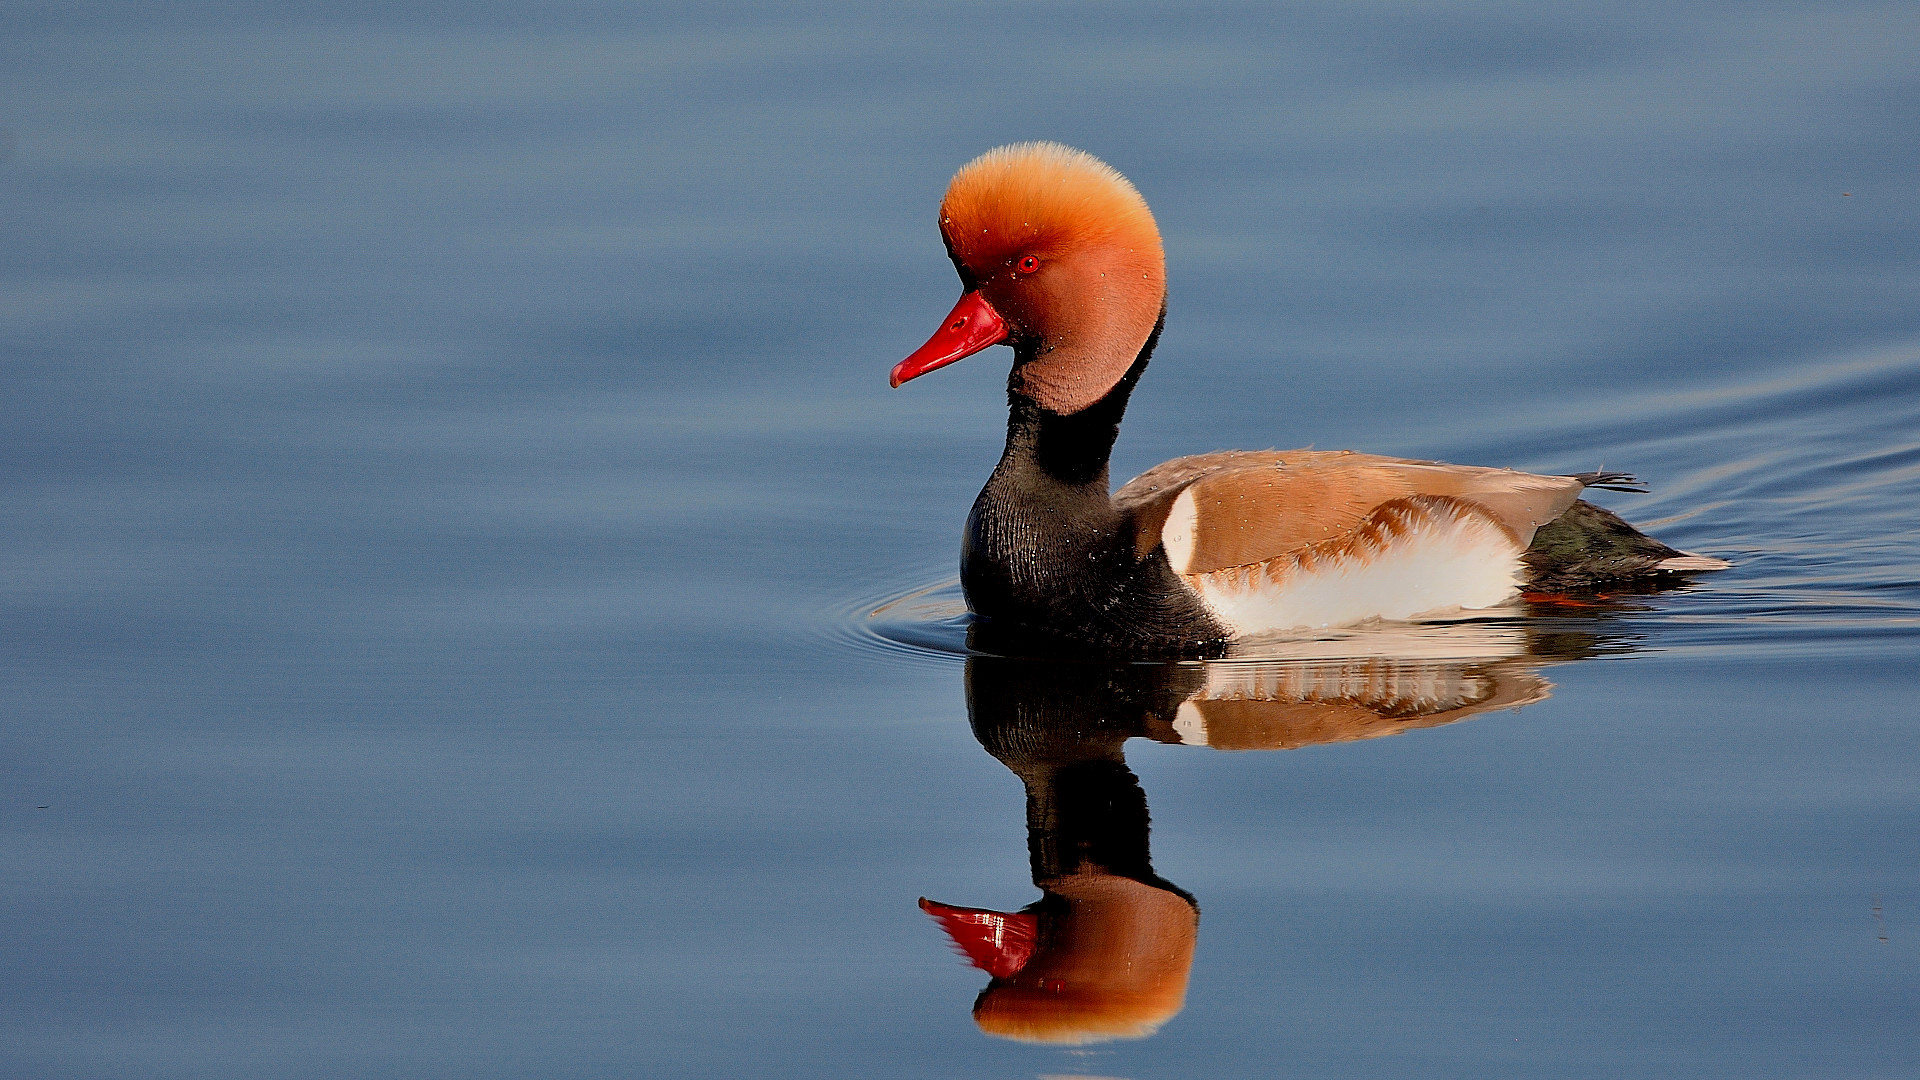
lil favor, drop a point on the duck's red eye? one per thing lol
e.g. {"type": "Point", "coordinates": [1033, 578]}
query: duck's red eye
{"type": "Point", "coordinates": [1028, 265]}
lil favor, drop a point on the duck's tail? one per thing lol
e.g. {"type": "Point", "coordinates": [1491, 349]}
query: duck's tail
{"type": "Point", "coordinates": [1589, 546]}
{"type": "Point", "coordinates": [1611, 481]}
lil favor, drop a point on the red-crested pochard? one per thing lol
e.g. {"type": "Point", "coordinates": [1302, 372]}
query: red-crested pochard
{"type": "Point", "coordinates": [1060, 258]}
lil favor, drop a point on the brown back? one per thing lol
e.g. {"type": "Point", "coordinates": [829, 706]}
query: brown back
{"type": "Point", "coordinates": [1251, 506]}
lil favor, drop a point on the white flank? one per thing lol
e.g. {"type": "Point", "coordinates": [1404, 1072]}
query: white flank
{"type": "Point", "coordinates": [1443, 563]}
{"type": "Point", "coordinates": [1409, 688]}
{"type": "Point", "coordinates": [1306, 694]}
{"type": "Point", "coordinates": [1406, 642]}
{"type": "Point", "coordinates": [1190, 725]}
{"type": "Point", "coordinates": [1176, 536]}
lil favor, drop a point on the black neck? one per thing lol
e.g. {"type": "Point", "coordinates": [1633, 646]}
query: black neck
{"type": "Point", "coordinates": [1069, 450]}
{"type": "Point", "coordinates": [1061, 728]}
{"type": "Point", "coordinates": [1047, 550]}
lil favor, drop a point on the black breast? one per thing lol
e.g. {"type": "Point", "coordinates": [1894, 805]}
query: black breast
{"type": "Point", "coordinates": [1047, 555]}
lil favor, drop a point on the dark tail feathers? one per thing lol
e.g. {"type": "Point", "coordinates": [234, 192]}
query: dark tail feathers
{"type": "Point", "coordinates": [1611, 481]}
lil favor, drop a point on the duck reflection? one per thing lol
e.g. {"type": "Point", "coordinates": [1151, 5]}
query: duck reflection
{"type": "Point", "coordinates": [1105, 952]}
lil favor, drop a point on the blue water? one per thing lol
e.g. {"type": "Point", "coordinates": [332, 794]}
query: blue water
{"type": "Point", "coordinates": [447, 470]}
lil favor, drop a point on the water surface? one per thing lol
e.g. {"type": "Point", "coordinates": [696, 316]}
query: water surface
{"type": "Point", "coordinates": [448, 469]}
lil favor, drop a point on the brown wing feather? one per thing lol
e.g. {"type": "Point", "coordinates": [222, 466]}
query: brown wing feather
{"type": "Point", "coordinates": [1285, 721]}
{"type": "Point", "coordinates": [1249, 506]}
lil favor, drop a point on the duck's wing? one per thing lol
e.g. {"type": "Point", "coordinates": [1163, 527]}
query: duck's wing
{"type": "Point", "coordinates": [1282, 706]}
{"type": "Point", "coordinates": [1239, 508]}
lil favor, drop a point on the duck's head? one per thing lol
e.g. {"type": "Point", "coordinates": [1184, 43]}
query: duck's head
{"type": "Point", "coordinates": [1061, 259]}
{"type": "Point", "coordinates": [1100, 957]}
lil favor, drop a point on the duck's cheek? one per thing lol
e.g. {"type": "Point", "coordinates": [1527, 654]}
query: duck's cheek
{"type": "Point", "coordinates": [1032, 311]}
{"type": "Point", "coordinates": [1014, 303]}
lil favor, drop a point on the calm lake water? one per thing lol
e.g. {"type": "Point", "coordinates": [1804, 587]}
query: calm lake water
{"type": "Point", "coordinates": [448, 471]}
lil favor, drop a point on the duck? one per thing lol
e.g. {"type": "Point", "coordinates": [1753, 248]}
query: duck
{"type": "Point", "coordinates": [1060, 258]}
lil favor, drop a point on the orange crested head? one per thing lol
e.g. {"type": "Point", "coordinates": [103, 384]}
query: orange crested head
{"type": "Point", "coordinates": [1050, 202]}
{"type": "Point", "coordinates": [1065, 252]}
{"type": "Point", "coordinates": [1111, 963]}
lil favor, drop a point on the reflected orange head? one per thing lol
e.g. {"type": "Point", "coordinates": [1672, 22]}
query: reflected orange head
{"type": "Point", "coordinates": [1068, 254]}
{"type": "Point", "coordinates": [1113, 966]}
